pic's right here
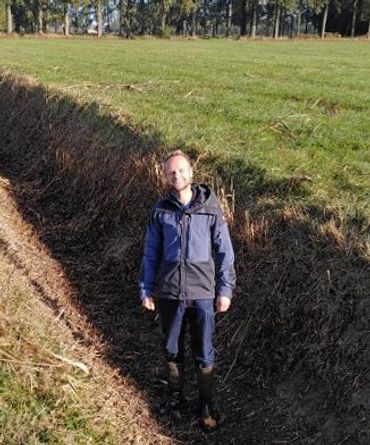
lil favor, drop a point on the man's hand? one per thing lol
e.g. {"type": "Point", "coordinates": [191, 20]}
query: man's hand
{"type": "Point", "coordinates": [222, 304]}
{"type": "Point", "coordinates": [148, 304]}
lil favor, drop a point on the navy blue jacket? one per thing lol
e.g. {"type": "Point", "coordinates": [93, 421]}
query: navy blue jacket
{"type": "Point", "coordinates": [188, 249]}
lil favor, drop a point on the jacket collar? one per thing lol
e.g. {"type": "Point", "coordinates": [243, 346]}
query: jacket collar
{"type": "Point", "coordinates": [173, 198]}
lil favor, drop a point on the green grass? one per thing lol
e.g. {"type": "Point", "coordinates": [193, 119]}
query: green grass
{"type": "Point", "coordinates": [286, 108]}
{"type": "Point", "coordinates": [36, 416]}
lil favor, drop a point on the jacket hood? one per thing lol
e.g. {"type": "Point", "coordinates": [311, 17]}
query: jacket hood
{"type": "Point", "coordinates": [203, 197]}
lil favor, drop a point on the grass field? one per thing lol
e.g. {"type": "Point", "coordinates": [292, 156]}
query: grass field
{"type": "Point", "coordinates": [286, 108]}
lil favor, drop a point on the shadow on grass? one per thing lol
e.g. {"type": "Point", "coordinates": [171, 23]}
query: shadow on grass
{"type": "Point", "coordinates": [294, 350]}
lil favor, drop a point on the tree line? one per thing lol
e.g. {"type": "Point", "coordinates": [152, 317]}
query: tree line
{"type": "Point", "coordinates": [206, 18]}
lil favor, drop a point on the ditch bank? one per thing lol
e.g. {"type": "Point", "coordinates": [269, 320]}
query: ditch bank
{"type": "Point", "coordinates": [293, 353]}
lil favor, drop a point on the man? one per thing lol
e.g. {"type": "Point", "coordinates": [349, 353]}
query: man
{"type": "Point", "coordinates": [188, 250]}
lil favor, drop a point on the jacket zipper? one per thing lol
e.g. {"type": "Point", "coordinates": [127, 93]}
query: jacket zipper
{"type": "Point", "coordinates": [182, 271]}
{"type": "Point", "coordinates": [183, 275]}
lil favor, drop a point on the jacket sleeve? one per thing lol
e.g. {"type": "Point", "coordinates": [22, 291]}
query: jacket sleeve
{"type": "Point", "coordinates": [152, 256]}
{"type": "Point", "coordinates": [224, 257]}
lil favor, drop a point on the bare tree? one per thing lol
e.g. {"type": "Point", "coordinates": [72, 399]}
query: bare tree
{"type": "Point", "coordinates": [39, 17]}
{"type": "Point", "coordinates": [99, 18]}
{"type": "Point", "coordinates": [277, 20]}
{"type": "Point", "coordinates": [229, 14]}
{"type": "Point", "coordinates": [254, 19]}
{"type": "Point", "coordinates": [354, 18]}
{"type": "Point", "coordinates": [193, 22]}
{"type": "Point", "coordinates": [299, 18]}
{"type": "Point", "coordinates": [324, 19]}
{"type": "Point", "coordinates": [67, 19]}
{"type": "Point", "coordinates": [243, 18]}
{"type": "Point", "coordinates": [9, 17]}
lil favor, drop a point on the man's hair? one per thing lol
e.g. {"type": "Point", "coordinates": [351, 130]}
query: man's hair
{"type": "Point", "coordinates": [174, 153]}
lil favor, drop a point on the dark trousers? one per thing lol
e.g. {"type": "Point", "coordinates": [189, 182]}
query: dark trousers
{"type": "Point", "coordinates": [200, 316]}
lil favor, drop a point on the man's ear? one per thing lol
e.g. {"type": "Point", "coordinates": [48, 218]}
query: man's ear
{"type": "Point", "coordinates": [191, 173]}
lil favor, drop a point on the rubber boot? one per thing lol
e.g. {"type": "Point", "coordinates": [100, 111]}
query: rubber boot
{"type": "Point", "coordinates": [175, 379]}
{"type": "Point", "coordinates": [208, 418]}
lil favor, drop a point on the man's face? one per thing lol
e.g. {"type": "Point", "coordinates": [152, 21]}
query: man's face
{"type": "Point", "coordinates": [178, 173]}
